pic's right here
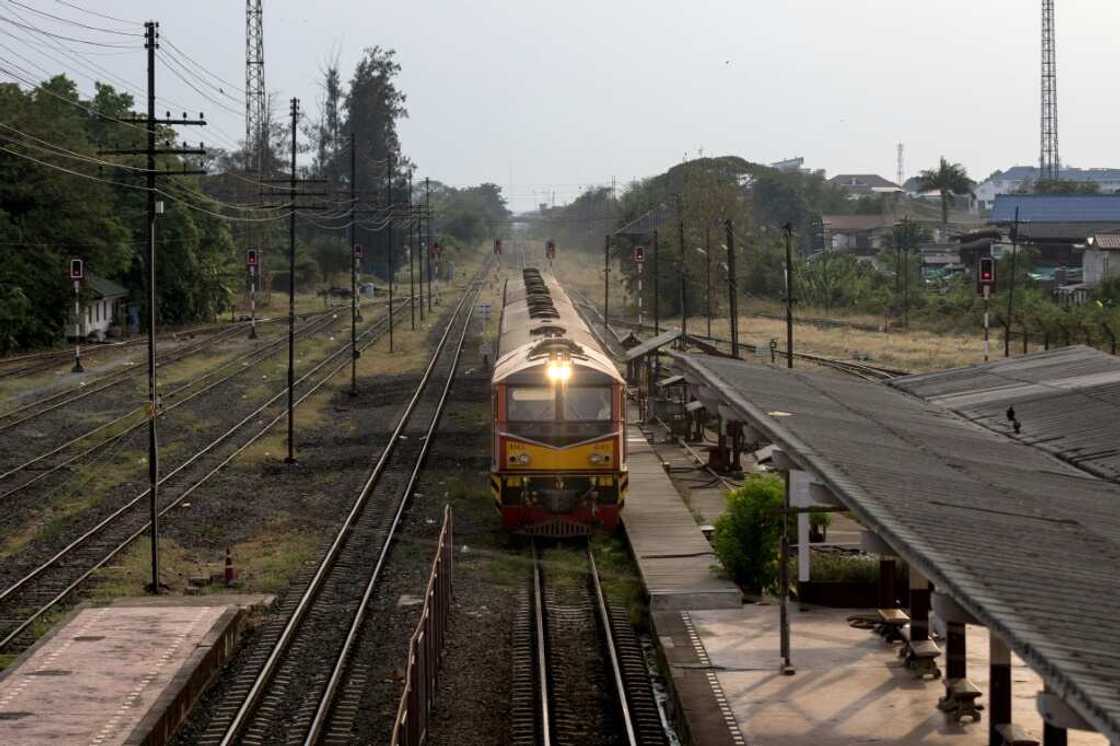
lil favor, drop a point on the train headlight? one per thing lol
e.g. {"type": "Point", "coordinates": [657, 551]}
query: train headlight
{"type": "Point", "coordinates": [599, 458]}
{"type": "Point", "coordinates": [559, 370]}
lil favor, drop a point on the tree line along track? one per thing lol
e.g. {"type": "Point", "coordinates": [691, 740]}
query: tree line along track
{"type": "Point", "coordinates": [293, 684]}
{"type": "Point", "coordinates": [50, 582]}
{"type": "Point", "coordinates": [116, 429]}
{"type": "Point", "coordinates": [564, 694]}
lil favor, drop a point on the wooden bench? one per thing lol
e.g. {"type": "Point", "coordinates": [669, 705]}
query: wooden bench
{"type": "Point", "coordinates": [960, 700]}
{"type": "Point", "coordinates": [891, 622]}
{"type": "Point", "coordinates": [920, 655]}
{"type": "Point", "coordinates": [1014, 735]}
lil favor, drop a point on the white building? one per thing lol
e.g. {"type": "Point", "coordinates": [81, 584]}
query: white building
{"type": "Point", "coordinates": [102, 306]}
{"type": "Point", "coordinates": [1101, 258]}
{"type": "Point", "coordinates": [1017, 178]}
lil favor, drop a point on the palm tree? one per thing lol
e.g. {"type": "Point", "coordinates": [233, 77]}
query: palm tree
{"type": "Point", "coordinates": [949, 179]}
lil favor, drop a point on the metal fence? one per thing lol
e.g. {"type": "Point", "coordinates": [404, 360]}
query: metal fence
{"type": "Point", "coordinates": [425, 646]}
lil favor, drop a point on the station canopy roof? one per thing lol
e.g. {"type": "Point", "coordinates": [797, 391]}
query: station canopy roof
{"type": "Point", "coordinates": [653, 344]}
{"type": "Point", "coordinates": [1027, 544]}
{"type": "Point", "coordinates": [1067, 402]}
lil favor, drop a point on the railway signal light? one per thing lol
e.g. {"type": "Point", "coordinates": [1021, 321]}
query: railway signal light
{"type": "Point", "coordinates": [639, 254]}
{"type": "Point", "coordinates": [251, 258]}
{"type": "Point", "coordinates": [498, 247]}
{"type": "Point", "coordinates": [358, 251]}
{"type": "Point", "coordinates": [985, 276]}
{"type": "Point", "coordinates": [550, 249]}
{"type": "Point", "coordinates": [77, 269]}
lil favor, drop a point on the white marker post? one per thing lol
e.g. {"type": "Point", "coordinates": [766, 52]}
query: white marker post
{"type": "Point", "coordinates": [639, 259]}
{"type": "Point", "coordinates": [987, 298]}
{"type": "Point", "coordinates": [251, 260]}
{"type": "Point", "coordinates": [76, 273]}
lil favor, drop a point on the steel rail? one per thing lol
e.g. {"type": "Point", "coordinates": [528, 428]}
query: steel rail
{"type": "Point", "coordinates": [616, 667]}
{"type": "Point", "coordinates": [261, 353]}
{"type": "Point", "coordinates": [264, 677]}
{"type": "Point", "coordinates": [114, 378]}
{"type": "Point", "coordinates": [18, 585]}
{"type": "Point", "coordinates": [327, 700]}
{"type": "Point", "coordinates": [542, 655]}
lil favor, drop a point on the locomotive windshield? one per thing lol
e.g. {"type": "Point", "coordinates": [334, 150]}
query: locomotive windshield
{"type": "Point", "coordinates": [585, 404]}
{"type": "Point", "coordinates": [577, 404]}
{"type": "Point", "coordinates": [531, 404]}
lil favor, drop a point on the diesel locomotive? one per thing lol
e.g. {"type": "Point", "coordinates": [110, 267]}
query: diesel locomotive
{"type": "Point", "coordinates": [558, 462]}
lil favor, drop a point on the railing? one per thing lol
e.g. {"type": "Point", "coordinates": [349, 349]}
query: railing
{"type": "Point", "coordinates": [411, 726]}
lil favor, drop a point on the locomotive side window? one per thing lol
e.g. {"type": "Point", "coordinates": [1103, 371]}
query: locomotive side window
{"type": "Point", "coordinates": [531, 404]}
{"type": "Point", "coordinates": [585, 404]}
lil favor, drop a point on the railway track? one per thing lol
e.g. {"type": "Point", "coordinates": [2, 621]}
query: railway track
{"type": "Point", "coordinates": [297, 684]}
{"type": "Point", "coordinates": [563, 694]}
{"type": "Point", "coordinates": [121, 426]}
{"type": "Point", "coordinates": [43, 587]}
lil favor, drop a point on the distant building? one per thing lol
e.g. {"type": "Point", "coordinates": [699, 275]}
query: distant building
{"type": "Point", "coordinates": [858, 234]}
{"type": "Point", "coordinates": [864, 185]}
{"type": "Point", "coordinates": [1101, 258]}
{"type": "Point", "coordinates": [1020, 178]}
{"type": "Point", "coordinates": [790, 165]}
{"type": "Point", "coordinates": [102, 306]}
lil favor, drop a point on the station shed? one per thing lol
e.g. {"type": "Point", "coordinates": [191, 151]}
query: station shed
{"type": "Point", "coordinates": [102, 306]}
{"type": "Point", "coordinates": [1004, 535]}
{"type": "Point", "coordinates": [1065, 402]}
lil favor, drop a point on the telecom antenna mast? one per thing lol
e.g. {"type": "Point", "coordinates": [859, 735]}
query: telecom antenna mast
{"type": "Point", "coordinates": [1049, 164]}
{"type": "Point", "coordinates": [901, 172]}
{"type": "Point", "coordinates": [256, 115]}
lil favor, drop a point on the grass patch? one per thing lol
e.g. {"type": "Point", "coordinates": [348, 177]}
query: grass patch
{"type": "Point", "coordinates": [618, 575]}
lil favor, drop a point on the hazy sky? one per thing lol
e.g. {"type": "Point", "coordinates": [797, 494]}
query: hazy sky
{"type": "Point", "coordinates": [552, 96]}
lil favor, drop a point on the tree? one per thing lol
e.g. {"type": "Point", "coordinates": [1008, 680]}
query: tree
{"type": "Point", "coordinates": [949, 179]}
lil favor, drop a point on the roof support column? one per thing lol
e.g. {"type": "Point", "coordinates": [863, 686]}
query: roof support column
{"type": "Point", "coordinates": [960, 695]}
{"type": "Point", "coordinates": [1057, 717]}
{"type": "Point", "coordinates": [1000, 684]}
{"type": "Point", "coordinates": [919, 605]}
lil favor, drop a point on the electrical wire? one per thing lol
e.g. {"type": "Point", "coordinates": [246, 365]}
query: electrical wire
{"type": "Point", "coordinates": [58, 150]}
{"type": "Point", "coordinates": [173, 66]}
{"type": "Point", "coordinates": [72, 22]}
{"type": "Point", "coordinates": [28, 27]}
{"type": "Point", "coordinates": [106, 16]}
{"type": "Point", "coordinates": [235, 86]}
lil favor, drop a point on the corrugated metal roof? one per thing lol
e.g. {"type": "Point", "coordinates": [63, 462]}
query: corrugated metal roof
{"type": "Point", "coordinates": [103, 288]}
{"type": "Point", "coordinates": [1028, 545]}
{"type": "Point", "coordinates": [1056, 208]}
{"type": "Point", "coordinates": [652, 344]}
{"type": "Point", "coordinates": [1106, 241]}
{"type": "Point", "coordinates": [1067, 401]}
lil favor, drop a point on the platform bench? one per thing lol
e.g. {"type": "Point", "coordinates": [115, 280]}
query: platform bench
{"type": "Point", "coordinates": [960, 700]}
{"type": "Point", "coordinates": [1015, 735]}
{"type": "Point", "coordinates": [891, 622]}
{"type": "Point", "coordinates": [920, 656]}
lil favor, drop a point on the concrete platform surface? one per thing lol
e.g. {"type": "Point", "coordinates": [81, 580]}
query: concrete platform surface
{"type": "Point", "coordinates": [117, 674]}
{"type": "Point", "coordinates": [850, 687]}
{"type": "Point", "coordinates": [673, 557]}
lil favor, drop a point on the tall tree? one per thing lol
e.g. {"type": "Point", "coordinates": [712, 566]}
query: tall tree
{"type": "Point", "coordinates": [949, 179]}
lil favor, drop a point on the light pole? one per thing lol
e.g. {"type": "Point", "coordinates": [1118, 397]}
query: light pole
{"type": "Point", "coordinates": [732, 289]}
{"type": "Point", "coordinates": [788, 228]}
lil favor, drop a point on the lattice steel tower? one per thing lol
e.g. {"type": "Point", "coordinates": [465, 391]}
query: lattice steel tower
{"type": "Point", "coordinates": [1049, 164]}
{"type": "Point", "coordinates": [256, 114]}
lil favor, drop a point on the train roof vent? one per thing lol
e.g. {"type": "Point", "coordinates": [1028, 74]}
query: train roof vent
{"type": "Point", "coordinates": [537, 296]}
{"type": "Point", "coordinates": [548, 330]}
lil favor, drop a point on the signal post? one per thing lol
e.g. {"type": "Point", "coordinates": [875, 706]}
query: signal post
{"type": "Point", "coordinates": [77, 271]}
{"type": "Point", "coordinates": [251, 262]}
{"type": "Point", "coordinates": [985, 285]}
{"type": "Point", "coordinates": [639, 261]}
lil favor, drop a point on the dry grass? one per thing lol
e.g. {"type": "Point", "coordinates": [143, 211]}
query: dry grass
{"type": "Point", "coordinates": [914, 349]}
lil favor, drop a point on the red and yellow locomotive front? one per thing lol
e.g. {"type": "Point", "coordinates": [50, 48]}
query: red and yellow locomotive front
{"type": "Point", "coordinates": [559, 450]}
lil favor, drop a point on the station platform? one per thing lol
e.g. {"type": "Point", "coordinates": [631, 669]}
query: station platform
{"type": "Point", "coordinates": [849, 686]}
{"type": "Point", "coordinates": [127, 673]}
{"type": "Point", "coordinates": [673, 557]}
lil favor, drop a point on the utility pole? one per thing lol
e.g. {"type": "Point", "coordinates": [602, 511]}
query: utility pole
{"type": "Point", "coordinates": [789, 294]}
{"type": "Point", "coordinates": [428, 236]}
{"type": "Point", "coordinates": [291, 457]}
{"type": "Point", "coordinates": [419, 217]}
{"type": "Point", "coordinates": [607, 280]}
{"type": "Point", "coordinates": [907, 240]}
{"type": "Point", "coordinates": [77, 317]}
{"type": "Point", "coordinates": [354, 258]}
{"type": "Point", "coordinates": [708, 275]}
{"type": "Point", "coordinates": [411, 258]}
{"type": "Point", "coordinates": [656, 290]}
{"type": "Point", "coordinates": [732, 289]}
{"type": "Point", "coordinates": [1011, 286]}
{"type": "Point", "coordinates": [154, 208]}
{"type": "Point", "coordinates": [389, 242]}
{"type": "Point", "coordinates": [684, 296]}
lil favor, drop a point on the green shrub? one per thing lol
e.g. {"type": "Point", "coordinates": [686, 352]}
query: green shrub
{"type": "Point", "coordinates": [828, 567]}
{"type": "Point", "coordinates": [748, 532]}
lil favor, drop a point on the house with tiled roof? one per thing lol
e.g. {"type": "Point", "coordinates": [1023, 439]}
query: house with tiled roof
{"type": "Point", "coordinates": [102, 305]}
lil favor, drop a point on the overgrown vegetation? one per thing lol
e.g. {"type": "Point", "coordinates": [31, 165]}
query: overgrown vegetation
{"type": "Point", "coordinates": [747, 534]}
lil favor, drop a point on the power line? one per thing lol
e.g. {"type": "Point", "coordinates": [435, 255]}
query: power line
{"type": "Point", "coordinates": [65, 37]}
{"type": "Point", "coordinates": [72, 22]}
{"type": "Point", "coordinates": [202, 67]}
{"type": "Point", "coordinates": [106, 16]}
